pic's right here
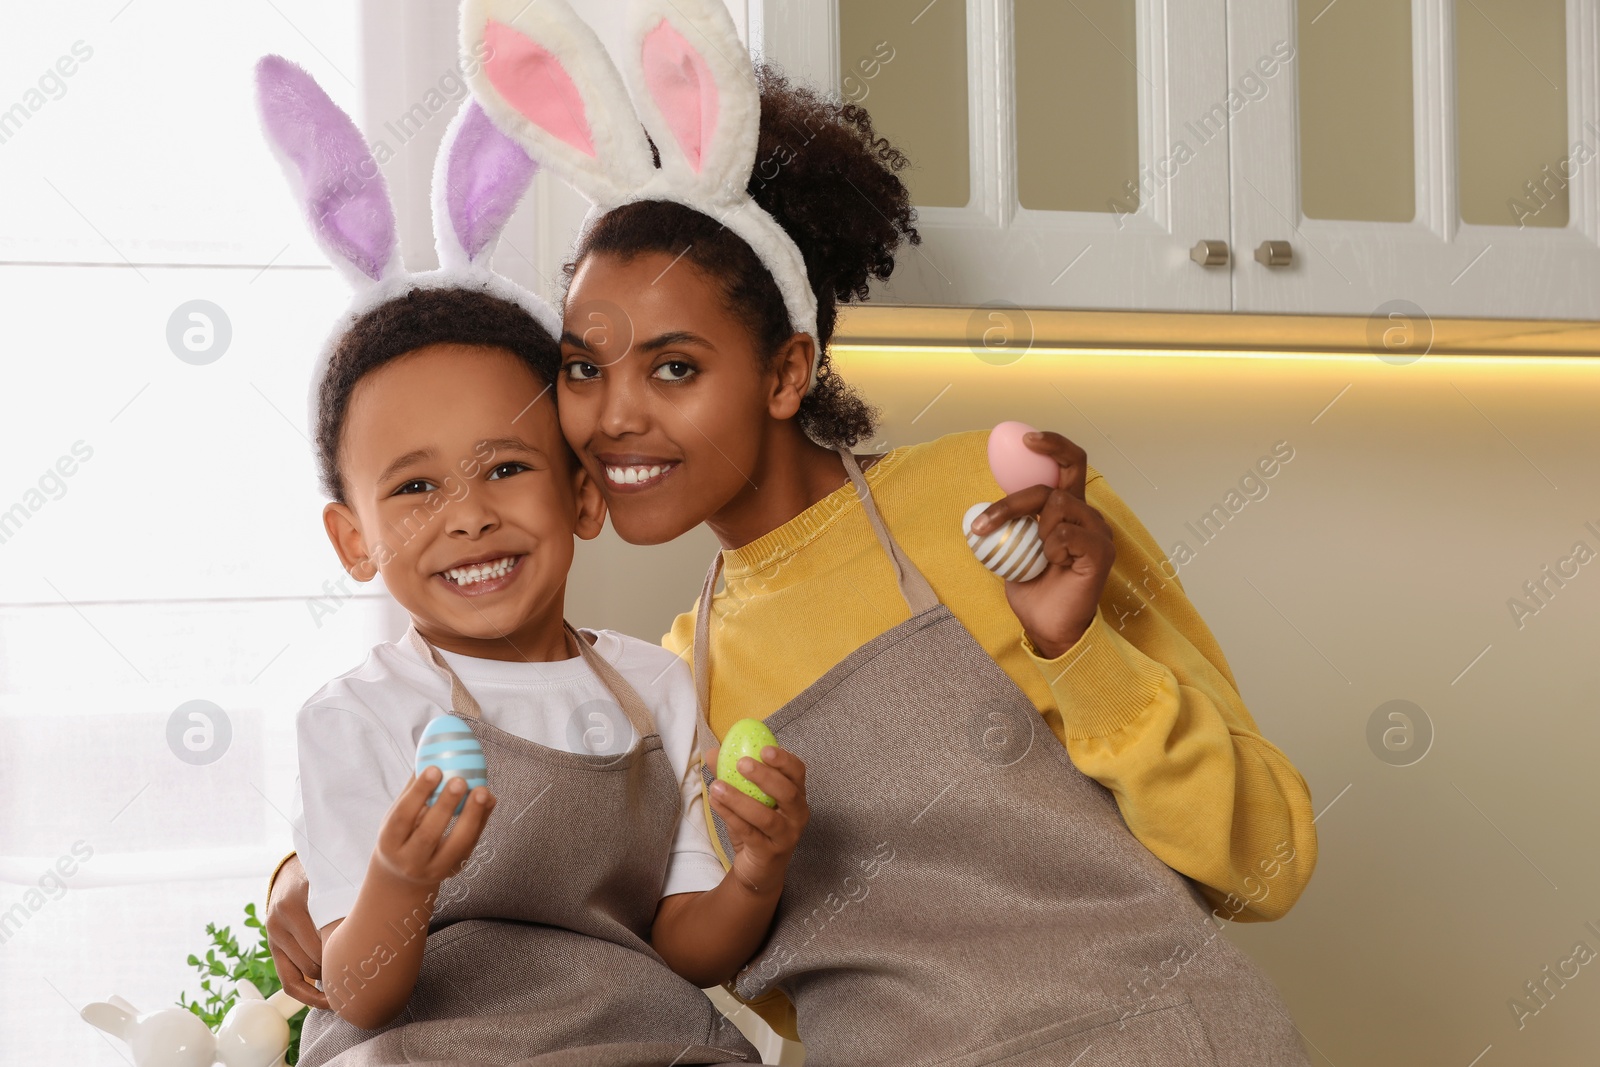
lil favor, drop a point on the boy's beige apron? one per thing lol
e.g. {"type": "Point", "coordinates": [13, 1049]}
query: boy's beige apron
{"type": "Point", "coordinates": [964, 895]}
{"type": "Point", "coordinates": [538, 950]}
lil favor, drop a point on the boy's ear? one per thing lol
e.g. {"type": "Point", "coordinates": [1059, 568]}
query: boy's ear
{"type": "Point", "coordinates": [792, 368]}
{"type": "Point", "coordinates": [591, 505]}
{"type": "Point", "coordinates": [345, 535]}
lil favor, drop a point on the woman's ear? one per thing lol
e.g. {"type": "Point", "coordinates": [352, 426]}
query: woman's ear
{"type": "Point", "coordinates": [344, 532]}
{"type": "Point", "coordinates": [591, 504]}
{"type": "Point", "coordinates": [791, 368]}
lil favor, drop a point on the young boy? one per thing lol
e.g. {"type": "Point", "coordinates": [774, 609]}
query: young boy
{"type": "Point", "coordinates": [440, 448]}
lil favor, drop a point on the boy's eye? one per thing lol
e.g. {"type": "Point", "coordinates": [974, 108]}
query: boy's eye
{"type": "Point", "coordinates": [678, 368]}
{"type": "Point", "coordinates": [416, 485]}
{"type": "Point", "coordinates": [580, 371]}
{"type": "Point", "coordinates": [506, 470]}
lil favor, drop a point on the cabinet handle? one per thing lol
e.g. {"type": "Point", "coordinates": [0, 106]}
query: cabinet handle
{"type": "Point", "coordinates": [1210, 253]}
{"type": "Point", "coordinates": [1275, 254]}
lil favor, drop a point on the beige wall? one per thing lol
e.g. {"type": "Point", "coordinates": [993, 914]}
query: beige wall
{"type": "Point", "coordinates": [1413, 508]}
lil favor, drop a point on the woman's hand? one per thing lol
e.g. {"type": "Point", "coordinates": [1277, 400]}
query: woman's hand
{"type": "Point", "coordinates": [763, 838]}
{"type": "Point", "coordinates": [295, 943]}
{"type": "Point", "coordinates": [1057, 607]}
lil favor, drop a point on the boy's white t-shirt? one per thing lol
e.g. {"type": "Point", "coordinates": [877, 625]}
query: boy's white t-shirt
{"type": "Point", "coordinates": [358, 738]}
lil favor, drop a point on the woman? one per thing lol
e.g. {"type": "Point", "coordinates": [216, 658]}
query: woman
{"type": "Point", "coordinates": [971, 887]}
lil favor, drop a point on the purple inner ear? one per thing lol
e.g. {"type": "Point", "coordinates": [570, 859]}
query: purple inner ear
{"type": "Point", "coordinates": [486, 175]}
{"type": "Point", "coordinates": [339, 181]}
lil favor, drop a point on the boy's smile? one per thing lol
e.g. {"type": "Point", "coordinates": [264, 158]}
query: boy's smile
{"type": "Point", "coordinates": [462, 493]}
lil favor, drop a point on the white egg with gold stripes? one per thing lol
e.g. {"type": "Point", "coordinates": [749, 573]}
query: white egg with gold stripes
{"type": "Point", "coordinates": [448, 744]}
{"type": "Point", "coordinates": [1014, 550]}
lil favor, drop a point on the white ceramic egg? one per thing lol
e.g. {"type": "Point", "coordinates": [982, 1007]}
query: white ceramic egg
{"type": "Point", "coordinates": [1014, 551]}
{"type": "Point", "coordinates": [448, 744]}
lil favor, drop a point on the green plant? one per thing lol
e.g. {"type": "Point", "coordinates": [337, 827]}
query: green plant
{"type": "Point", "coordinates": [227, 960]}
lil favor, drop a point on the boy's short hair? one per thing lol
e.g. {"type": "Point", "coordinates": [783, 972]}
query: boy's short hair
{"type": "Point", "coordinates": [416, 319]}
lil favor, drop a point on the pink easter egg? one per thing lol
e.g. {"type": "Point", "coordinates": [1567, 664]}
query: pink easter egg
{"type": "Point", "coordinates": [1015, 465]}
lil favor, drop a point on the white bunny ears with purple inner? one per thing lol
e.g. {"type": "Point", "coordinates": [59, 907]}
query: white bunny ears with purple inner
{"type": "Point", "coordinates": [479, 177]}
{"type": "Point", "coordinates": [548, 83]}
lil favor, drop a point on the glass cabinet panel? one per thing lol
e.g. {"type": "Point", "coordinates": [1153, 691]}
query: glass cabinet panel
{"type": "Point", "coordinates": [1511, 111]}
{"type": "Point", "coordinates": [1077, 93]}
{"type": "Point", "coordinates": [1357, 136]}
{"type": "Point", "coordinates": [905, 61]}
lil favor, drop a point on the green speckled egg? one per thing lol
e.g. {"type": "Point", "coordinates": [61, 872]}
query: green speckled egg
{"type": "Point", "coordinates": [747, 737]}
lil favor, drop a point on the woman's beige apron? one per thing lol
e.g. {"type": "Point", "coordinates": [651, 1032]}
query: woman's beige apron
{"type": "Point", "coordinates": [964, 895]}
{"type": "Point", "coordinates": [538, 951]}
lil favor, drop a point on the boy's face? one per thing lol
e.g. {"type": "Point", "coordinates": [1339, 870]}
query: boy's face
{"type": "Point", "coordinates": [462, 493]}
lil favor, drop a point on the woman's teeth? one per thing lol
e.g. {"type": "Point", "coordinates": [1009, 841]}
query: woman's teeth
{"type": "Point", "coordinates": [636, 475]}
{"type": "Point", "coordinates": [481, 572]}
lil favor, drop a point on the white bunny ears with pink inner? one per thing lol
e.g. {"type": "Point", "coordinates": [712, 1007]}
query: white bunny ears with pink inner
{"type": "Point", "coordinates": [479, 177]}
{"type": "Point", "coordinates": [548, 83]}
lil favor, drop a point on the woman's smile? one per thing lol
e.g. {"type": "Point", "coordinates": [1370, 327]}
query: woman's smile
{"type": "Point", "coordinates": [635, 474]}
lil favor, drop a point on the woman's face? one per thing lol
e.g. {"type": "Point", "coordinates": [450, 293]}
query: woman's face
{"type": "Point", "coordinates": [661, 393]}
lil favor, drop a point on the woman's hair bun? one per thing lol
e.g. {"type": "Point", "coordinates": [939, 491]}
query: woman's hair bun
{"type": "Point", "coordinates": [833, 184]}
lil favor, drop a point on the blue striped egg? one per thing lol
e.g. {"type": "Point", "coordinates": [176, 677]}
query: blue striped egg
{"type": "Point", "coordinates": [448, 744]}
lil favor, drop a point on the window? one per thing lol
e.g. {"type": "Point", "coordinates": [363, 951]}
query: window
{"type": "Point", "coordinates": [160, 537]}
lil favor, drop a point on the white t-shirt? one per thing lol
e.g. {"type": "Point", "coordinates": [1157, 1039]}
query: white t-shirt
{"type": "Point", "coordinates": [358, 739]}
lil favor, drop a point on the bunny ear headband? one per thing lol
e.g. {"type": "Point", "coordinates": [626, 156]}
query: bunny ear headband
{"type": "Point", "coordinates": [548, 84]}
{"type": "Point", "coordinates": [478, 178]}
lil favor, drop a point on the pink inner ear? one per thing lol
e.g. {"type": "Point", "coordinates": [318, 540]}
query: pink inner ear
{"type": "Point", "coordinates": [535, 83]}
{"type": "Point", "coordinates": [682, 86]}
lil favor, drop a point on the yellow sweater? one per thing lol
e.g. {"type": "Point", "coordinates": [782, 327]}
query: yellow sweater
{"type": "Point", "coordinates": [1144, 702]}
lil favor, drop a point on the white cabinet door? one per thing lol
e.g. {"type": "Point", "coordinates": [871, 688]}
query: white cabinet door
{"type": "Point", "coordinates": [1006, 230]}
{"type": "Point", "coordinates": [1418, 158]}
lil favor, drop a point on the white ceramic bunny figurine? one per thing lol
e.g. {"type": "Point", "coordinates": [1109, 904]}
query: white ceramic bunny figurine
{"type": "Point", "coordinates": [254, 1033]}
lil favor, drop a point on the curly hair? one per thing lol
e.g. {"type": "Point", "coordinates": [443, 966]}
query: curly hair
{"type": "Point", "coordinates": [832, 184]}
{"type": "Point", "coordinates": [418, 318]}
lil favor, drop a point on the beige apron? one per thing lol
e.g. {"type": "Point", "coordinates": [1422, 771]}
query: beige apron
{"type": "Point", "coordinates": [538, 951]}
{"type": "Point", "coordinates": [963, 894]}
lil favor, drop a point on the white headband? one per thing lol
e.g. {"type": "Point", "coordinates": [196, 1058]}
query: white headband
{"type": "Point", "coordinates": [549, 84]}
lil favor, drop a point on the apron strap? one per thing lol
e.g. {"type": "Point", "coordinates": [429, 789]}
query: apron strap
{"type": "Point", "coordinates": [919, 595]}
{"type": "Point", "coordinates": [464, 705]}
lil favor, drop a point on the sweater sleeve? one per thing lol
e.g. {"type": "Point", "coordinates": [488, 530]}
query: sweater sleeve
{"type": "Point", "coordinates": [1149, 709]}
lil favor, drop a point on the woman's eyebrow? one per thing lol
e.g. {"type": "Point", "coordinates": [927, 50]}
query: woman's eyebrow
{"type": "Point", "coordinates": [666, 340]}
{"type": "Point", "coordinates": [676, 337]}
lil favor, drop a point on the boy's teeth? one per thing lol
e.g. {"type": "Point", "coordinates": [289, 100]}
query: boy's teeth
{"type": "Point", "coordinates": [479, 572]}
{"type": "Point", "coordinates": [634, 475]}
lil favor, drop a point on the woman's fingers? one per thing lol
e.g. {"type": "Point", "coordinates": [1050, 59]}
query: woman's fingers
{"type": "Point", "coordinates": [1062, 507]}
{"type": "Point", "coordinates": [1073, 467]}
{"type": "Point", "coordinates": [292, 937]}
{"type": "Point", "coordinates": [1069, 542]}
{"type": "Point", "coordinates": [1073, 460]}
{"type": "Point", "coordinates": [1027, 501]}
{"type": "Point", "coordinates": [290, 971]}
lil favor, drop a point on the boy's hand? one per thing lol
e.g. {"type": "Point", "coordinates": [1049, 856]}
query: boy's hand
{"type": "Point", "coordinates": [763, 838]}
{"type": "Point", "coordinates": [1056, 608]}
{"type": "Point", "coordinates": [412, 846]}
